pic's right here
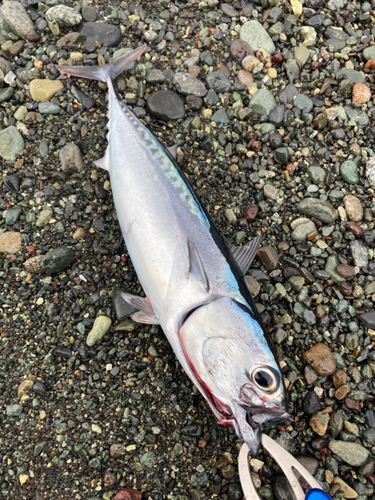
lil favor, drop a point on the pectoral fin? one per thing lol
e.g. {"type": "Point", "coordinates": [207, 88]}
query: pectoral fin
{"type": "Point", "coordinates": [104, 161]}
{"type": "Point", "coordinates": [145, 313]}
{"type": "Point", "coordinates": [245, 255]}
{"type": "Point", "coordinates": [196, 270]}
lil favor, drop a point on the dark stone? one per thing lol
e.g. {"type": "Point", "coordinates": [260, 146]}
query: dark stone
{"type": "Point", "coordinates": [318, 101]}
{"type": "Point", "coordinates": [288, 94]}
{"type": "Point", "coordinates": [208, 144]}
{"type": "Point", "coordinates": [63, 352]}
{"type": "Point", "coordinates": [98, 224]}
{"type": "Point", "coordinates": [193, 430]}
{"type": "Point", "coordinates": [282, 489]}
{"type": "Point", "coordinates": [338, 134]}
{"type": "Point", "coordinates": [166, 105]}
{"type": "Point", "coordinates": [84, 99]}
{"type": "Point", "coordinates": [156, 495]}
{"type": "Point", "coordinates": [218, 82]}
{"type": "Point", "coordinates": [6, 94]}
{"type": "Point", "coordinates": [107, 35]}
{"type": "Point", "coordinates": [276, 117]}
{"type": "Point", "coordinates": [57, 260]}
{"type": "Point", "coordinates": [311, 404]}
{"type": "Point", "coordinates": [122, 308]}
{"type": "Point", "coordinates": [206, 58]}
{"type": "Point", "coordinates": [369, 436]}
{"type": "Point", "coordinates": [316, 22]}
{"type": "Point", "coordinates": [368, 319]}
{"type": "Point", "coordinates": [195, 103]}
{"type": "Point", "coordinates": [40, 388]}
{"type": "Point", "coordinates": [275, 140]}
{"type": "Point", "coordinates": [370, 418]}
{"type": "Point", "coordinates": [282, 155]}
{"type": "Point", "coordinates": [211, 98]}
{"type": "Point", "coordinates": [12, 183]}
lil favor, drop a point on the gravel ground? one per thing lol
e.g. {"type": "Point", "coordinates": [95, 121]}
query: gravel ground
{"type": "Point", "coordinates": [271, 106]}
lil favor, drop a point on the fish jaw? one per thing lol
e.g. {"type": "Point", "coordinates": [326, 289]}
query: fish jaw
{"type": "Point", "coordinates": [225, 349]}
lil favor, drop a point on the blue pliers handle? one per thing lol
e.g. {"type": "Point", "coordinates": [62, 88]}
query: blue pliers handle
{"type": "Point", "coordinates": [289, 466]}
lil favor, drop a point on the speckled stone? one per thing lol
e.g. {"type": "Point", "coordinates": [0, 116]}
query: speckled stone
{"type": "Point", "coordinates": [10, 242]}
{"type": "Point", "coordinates": [352, 453]}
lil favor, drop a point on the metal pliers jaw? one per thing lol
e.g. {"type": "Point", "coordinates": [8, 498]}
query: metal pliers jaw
{"type": "Point", "coordinates": [287, 463]}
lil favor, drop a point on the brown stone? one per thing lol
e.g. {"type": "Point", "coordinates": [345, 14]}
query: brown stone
{"type": "Point", "coordinates": [25, 387]}
{"type": "Point", "coordinates": [320, 121]}
{"type": "Point", "coordinates": [251, 213]}
{"type": "Point", "coordinates": [342, 392]}
{"type": "Point", "coordinates": [361, 93]}
{"type": "Point", "coordinates": [345, 271]}
{"type": "Point", "coordinates": [283, 246]}
{"type": "Point", "coordinates": [268, 257]}
{"type": "Point", "coordinates": [228, 471]}
{"type": "Point", "coordinates": [319, 422]}
{"type": "Point", "coordinates": [117, 450]}
{"type": "Point", "coordinates": [10, 242]}
{"type": "Point", "coordinates": [353, 404]}
{"type": "Point", "coordinates": [345, 288]}
{"type": "Point", "coordinates": [239, 49]}
{"type": "Point", "coordinates": [320, 312]}
{"type": "Point", "coordinates": [339, 378]}
{"type": "Point", "coordinates": [128, 494]}
{"type": "Point", "coordinates": [110, 479]}
{"type": "Point", "coordinates": [245, 77]}
{"type": "Point", "coordinates": [321, 359]}
{"type": "Point", "coordinates": [370, 64]}
{"type": "Point", "coordinates": [354, 228]}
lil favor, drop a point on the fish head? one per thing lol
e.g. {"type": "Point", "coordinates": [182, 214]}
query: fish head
{"type": "Point", "coordinates": [234, 367]}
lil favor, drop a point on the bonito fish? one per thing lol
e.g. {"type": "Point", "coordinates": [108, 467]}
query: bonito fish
{"type": "Point", "coordinates": [194, 285]}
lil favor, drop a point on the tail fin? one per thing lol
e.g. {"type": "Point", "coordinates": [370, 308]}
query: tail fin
{"type": "Point", "coordinates": [108, 71]}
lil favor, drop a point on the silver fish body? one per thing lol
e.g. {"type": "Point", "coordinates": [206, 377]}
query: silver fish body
{"type": "Point", "coordinates": [194, 288]}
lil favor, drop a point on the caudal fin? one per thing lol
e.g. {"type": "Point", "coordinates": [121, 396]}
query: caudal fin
{"type": "Point", "coordinates": [108, 71]}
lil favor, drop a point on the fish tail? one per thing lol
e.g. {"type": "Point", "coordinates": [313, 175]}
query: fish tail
{"type": "Point", "coordinates": [107, 72]}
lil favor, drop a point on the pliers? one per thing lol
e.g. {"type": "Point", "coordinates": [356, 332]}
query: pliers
{"type": "Point", "coordinates": [288, 464]}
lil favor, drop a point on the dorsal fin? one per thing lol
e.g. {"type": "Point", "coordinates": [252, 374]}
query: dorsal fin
{"type": "Point", "coordinates": [245, 255]}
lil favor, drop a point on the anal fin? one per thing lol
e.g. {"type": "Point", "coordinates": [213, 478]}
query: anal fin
{"type": "Point", "coordinates": [245, 255]}
{"type": "Point", "coordinates": [104, 161]}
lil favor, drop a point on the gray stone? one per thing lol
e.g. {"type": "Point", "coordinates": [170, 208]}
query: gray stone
{"type": "Point", "coordinates": [12, 216]}
{"type": "Point", "coordinates": [166, 105]}
{"type": "Point", "coordinates": [17, 18]}
{"type": "Point", "coordinates": [288, 95]}
{"type": "Point", "coordinates": [108, 35]}
{"type": "Point", "coordinates": [257, 37]}
{"type": "Point", "coordinates": [14, 410]}
{"type": "Point", "coordinates": [336, 4]}
{"type": "Point", "coordinates": [57, 260]}
{"type": "Point", "coordinates": [352, 75]}
{"type": "Point", "coordinates": [11, 143]}
{"type": "Point", "coordinates": [6, 94]}
{"type": "Point", "coordinates": [148, 459]}
{"type": "Point", "coordinates": [331, 263]}
{"type": "Point", "coordinates": [368, 319]}
{"type": "Point", "coordinates": [122, 309]}
{"type": "Point", "coordinates": [369, 53]}
{"type": "Point", "coordinates": [352, 453]}
{"type": "Point", "coordinates": [220, 116]}
{"type": "Point", "coordinates": [217, 81]}
{"type": "Point", "coordinates": [276, 116]}
{"type": "Point", "coordinates": [71, 158]}
{"type": "Point", "coordinates": [301, 232]}
{"type": "Point", "coordinates": [303, 103]}
{"type": "Point", "coordinates": [262, 102]}
{"type": "Point", "coordinates": [349, 172]}
{"type": "Point", "coordinates": [317, 175]}
{"type": "Point", "coordinates": [321, 210]}
{"type": "Point", "coordinates": [359, 117]}
{"type": "Point", "coordinates": [48, 108]}
{"type": "Point", "coordinates": [188, 85]}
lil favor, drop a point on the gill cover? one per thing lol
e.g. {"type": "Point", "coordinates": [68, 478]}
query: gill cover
{"type": "Point", "coordinates": [236, 369]}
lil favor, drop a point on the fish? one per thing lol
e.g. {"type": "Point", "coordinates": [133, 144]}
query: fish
{"type": "Point", "coordinates": [193, 283]}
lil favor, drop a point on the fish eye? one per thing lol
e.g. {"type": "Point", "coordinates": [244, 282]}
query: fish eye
{"type": "Point", "coordinates": [265, 378]}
